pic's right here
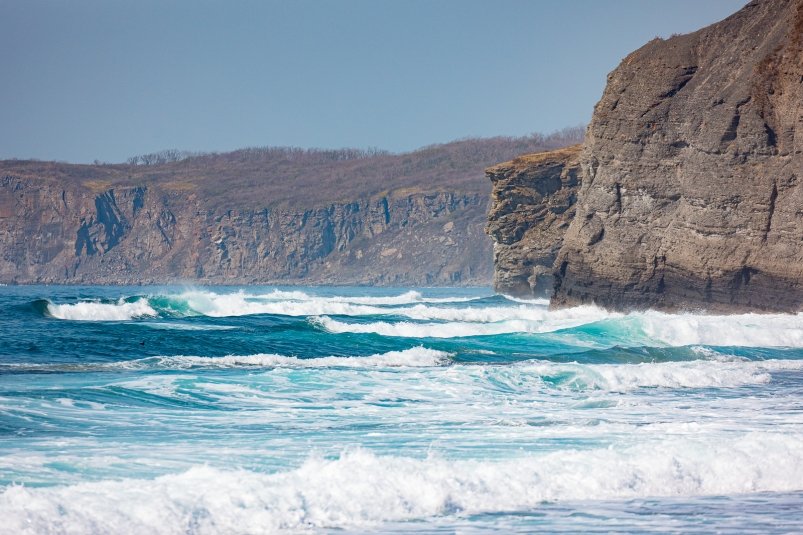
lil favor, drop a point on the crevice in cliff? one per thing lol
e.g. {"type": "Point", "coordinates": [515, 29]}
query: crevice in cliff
{"type": "Point", "coordinates": [730, 132]}
{"type": "Point", "coordinates": [679, 83]}
{"type": "Point", "coordinates": [771, 210]}
{"type": "Point", "coordinates": [685, 78]}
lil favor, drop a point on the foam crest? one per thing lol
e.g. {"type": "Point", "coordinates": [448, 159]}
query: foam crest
{"type": "Point", "coordinates": [406, 329]}
{"type": "Point", "coordinates": [94, 311]}
{"type": "Point", "coordinates": [413, 357]}
{"type": "Point", "coordinates": [361, 489]}
{"type": "Point", "coordinates": [469, 322]}
{"type": "Point", "coordinates": [242, 304]}
{"type": "Point", "coordinates": [552, 319]}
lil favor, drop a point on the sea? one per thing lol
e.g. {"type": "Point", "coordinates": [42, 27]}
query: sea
{"type": "Point", "coordinates": [205, 410]}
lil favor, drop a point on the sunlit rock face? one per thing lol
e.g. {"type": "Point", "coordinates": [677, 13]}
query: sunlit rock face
{"type": "Point", "coordinates": [691, 194]}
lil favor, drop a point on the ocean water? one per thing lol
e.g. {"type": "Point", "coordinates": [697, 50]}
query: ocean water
{"type": "Point", "coordinates": [351, 410]}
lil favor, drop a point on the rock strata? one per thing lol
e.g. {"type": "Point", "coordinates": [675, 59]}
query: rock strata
{"type": "Point", "coordinates": [532, 204]}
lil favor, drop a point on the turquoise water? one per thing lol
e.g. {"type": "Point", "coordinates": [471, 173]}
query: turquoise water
{"type": "Point", "coordinates": [262, 409]}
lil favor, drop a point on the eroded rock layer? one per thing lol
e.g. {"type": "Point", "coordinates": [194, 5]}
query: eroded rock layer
{"type": "Point", "coordinates": [138, 234]}
{"type": "Point", "coordinates": [532, 204]}
{"type": "Point", "coordinates": [692, 173]}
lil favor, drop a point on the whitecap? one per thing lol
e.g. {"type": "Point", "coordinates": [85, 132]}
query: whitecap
{"type": "Point", "coordinates": [413, 357]}
{"type": "Point", "coordinates": [685, 374]}
{"type": "Point", "coordinates": [362, 489]}
{"type": "Point", "coordinates": [95, 311]}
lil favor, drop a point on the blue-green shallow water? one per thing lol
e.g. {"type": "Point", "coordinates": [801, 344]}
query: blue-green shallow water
{"type": "Point", "coordinates": [251, 410]}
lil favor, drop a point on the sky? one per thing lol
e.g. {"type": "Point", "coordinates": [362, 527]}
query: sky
{"type": "Point", "coordinates": [86, 80]}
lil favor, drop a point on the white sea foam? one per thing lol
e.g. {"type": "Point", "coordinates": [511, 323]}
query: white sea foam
{"type": "Point", "coordinates": [634, 329]}
{"type": "Point", "coordinates": [94, 311]}
{"type": "Point", "coordinates": [300, 303]}
{"type": "Point", "coordinates": [638, 328]}
{"type": "Point", "coordinates": [413, 357]}
{"type": "Point", "coordinates": [361, 489]}
{"type": "Point", "coordinates": [553, 319]}
{"type": "Point", "coordinates": [748, 330]}
{"type": "Point", "coordinates": [424, 330]}
{"type": "Point", "coordinates": [687, 374]}
{"type": "Point", "coordinates": [455, 329]}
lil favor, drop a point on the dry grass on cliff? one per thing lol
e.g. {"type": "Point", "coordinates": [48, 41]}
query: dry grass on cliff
{"type": "Point", "coordinates": [270, 176]}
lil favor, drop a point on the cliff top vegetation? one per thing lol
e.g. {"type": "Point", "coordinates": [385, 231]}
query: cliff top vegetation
{"type": "Point", "coordinates": [267, 176]}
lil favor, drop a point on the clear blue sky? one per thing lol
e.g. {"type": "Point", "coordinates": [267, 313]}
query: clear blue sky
{"type": "Point", "coordinates": [108, 79]}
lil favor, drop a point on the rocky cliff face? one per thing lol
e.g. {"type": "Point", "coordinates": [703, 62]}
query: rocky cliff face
{"type": "Point", "coordinates": [691, 175]}
{"type": "Point", "coordinates": [136, 234]}
{"type": "Point", "coordinates": [532, 204]}
{"type": "Point", "coordinates": [255, 216]}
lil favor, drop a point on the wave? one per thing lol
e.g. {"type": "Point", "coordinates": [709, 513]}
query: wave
{"type": "Point", "coordinates": [405, 329]}
{"type": "Point", "coordinates": [278, 302]}
{"type": "Point", "coordinates": [747, 330]}
{"type": "Point", "coordinates": [96, 311]}
{"type": "Point", "coordinates": [413, 357]}
{"type": "Point", "coordinates": [596, 326]}
{"type": "Point", "coordinates": [362, 489]}
{"type": "Point", "coordinates": [463, 322]}
{"type": "Point", "coordinates": [690, 374]}
{"type": "Point", "coordinates": [521, 377]}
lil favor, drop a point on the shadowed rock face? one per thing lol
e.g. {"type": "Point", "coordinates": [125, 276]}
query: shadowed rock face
{"type": "Point", "coordinates": [532, 204]}
{"type": "Point", "coordinates": [692, 173]}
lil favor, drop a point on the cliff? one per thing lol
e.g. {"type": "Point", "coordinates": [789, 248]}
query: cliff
{"type": "Point", "coordinates": [256, 216]}
{"type": "Point", "coordinates": [691, 173]}
{"type": "Point", "coordinates": [532, 204]}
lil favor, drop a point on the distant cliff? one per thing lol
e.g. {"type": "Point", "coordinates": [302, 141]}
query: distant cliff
{"type": "Point", "coordinates": [256, 216]}
{"type": "Point", "coordinates": [692, 170]}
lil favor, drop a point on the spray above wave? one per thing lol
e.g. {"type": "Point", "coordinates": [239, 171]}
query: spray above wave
{"type": "Point", "coordinates": [362, 489]}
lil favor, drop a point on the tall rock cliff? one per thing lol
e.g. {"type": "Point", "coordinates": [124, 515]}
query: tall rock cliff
{"type": "Point", "coordinates": [692, 173]}
{"type": "Point", "coordinates": [256, 216]}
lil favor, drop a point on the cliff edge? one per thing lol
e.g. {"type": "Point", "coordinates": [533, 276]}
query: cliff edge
{"type": "Point", "coordinates": [691, 170]}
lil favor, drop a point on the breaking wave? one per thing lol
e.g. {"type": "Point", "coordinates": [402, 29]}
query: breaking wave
{"type": "Point", "coordinates": [602, 328]}
{"type": "Point", "coordinates": [690, 374]}
{"type": "Point", "coordinates": [95, 311]}
{"type": "Point", "coordinates": [362, 489]}
{"type": "Point", "coordinates": [430, 317]}
{"type": "Point", "coordinates": [413, 357]}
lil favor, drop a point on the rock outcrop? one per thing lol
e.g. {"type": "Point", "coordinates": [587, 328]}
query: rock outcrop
{"type": "Point", "coordinates": [532, 204]}
{"type": "Point", "coordinates": [256, 216]}
{"type": "Point", "coordinates": [691, 190]}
